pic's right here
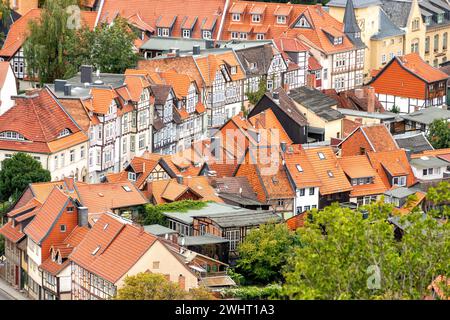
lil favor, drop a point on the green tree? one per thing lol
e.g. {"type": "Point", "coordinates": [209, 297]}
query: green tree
{"type": "Point", "coordinates": [153, 214]}
{"type": "Point", "coordinates": [395, 109]}
{"type": "Point", "coordinates": [439, 134]}
{"type": "Point", "coordinates": [149, 286]}
{"type": "Point", "coordinates": [46, 47]}
{"type": "Point", "coordinates": [254, 97]}
{"type": "Point", "coordinates": [264, 253]}
{"type": "Point", "coordinates": [19, 171]}
{"type": "Point", "coordinates": [109, 48]}
{"type": "Point", "coordinates": [346, 256]}
{"type": "Point", "coordinates": [5, 20]}
{"type": "Point", "coordinates": [439, 200]}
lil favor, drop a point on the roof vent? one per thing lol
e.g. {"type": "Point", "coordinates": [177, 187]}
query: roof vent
{"type": "Point", "coordinates": [68, 90]}
{"type": "Point", "coordinates": [101, 194]}
{"type": "Point", "coordinates": [98, 82]}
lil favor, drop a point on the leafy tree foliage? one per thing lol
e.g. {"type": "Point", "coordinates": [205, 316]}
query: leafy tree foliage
{"type": "Point", "coordinates": [345, 256]}
{"type": "Point", "coordinates": [5, 12]}
{"type": "Point", "coordinates": [19, 171]}
{"type": "Point", "coordinates": [149, 286]}
{"type": "Point", "coordinates": [254, 97]}
{"type": "Point", "coordinates": [439, 134]}
{"type": "Point", "coordinates": [264, 253]}
{"type": "Point", "coordinates": [109, 48]}
{"type": "Point", "coordinates": [271, 291]}
{"type": "Point", "coordinates": [439, 198]}
{"type": "Point", "coordinates": [153, 214]}
{"type": "Point", "coordinates": [46, 47]}
{"type": "Point", "coordinates": [153, 286]}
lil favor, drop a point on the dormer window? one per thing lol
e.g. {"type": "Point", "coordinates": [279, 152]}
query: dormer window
{"type": "Point", "coordinates": [233, 70]}
{"type": "Point", "coordinates": [236, 17]}
{"type": "Point", "coordinates": [186, 33]}
{"type": "Point", "coordinates": [302, 23]}
{"type": "Point", "coordinates": [11, 135]}
{"type": "Point", "coordinates": [234, 35]}
{"type": "Point", "coordinates": [399, 181]}
{"type": "Point", "coordinates": [260, 36]}
{"type": "Point", "coordinates": [206, 34]}
{"type": "Point", "coordinates": [281, 19]}
{"type": "Point", "coordinates": [64, 133]}
{"type": "Point", "coordinates": [243, 35]}
{"type": "Point", "coordinates": [337, 40]}
{"type": "Point", "coordinates": [256, 18]}
{"type": "Point", "coordinates": [428, 20]}
{"type": "Point", "coordinates": [163, 32]}
{"type": "Point", "coordinates": [131, 176]}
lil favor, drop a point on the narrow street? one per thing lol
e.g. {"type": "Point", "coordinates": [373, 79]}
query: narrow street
{"type": "Point", "coordinates": [4, 296]}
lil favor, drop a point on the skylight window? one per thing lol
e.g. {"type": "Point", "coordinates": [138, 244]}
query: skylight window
{"type": "Point", "coordinates": [299, 168]}
{"type": "Point", "coordinates": [330, 174]}
{"type": "Point", "coordinates": [95, 250]}
{"type": "Point", "coordinates": [105, 226]}
{"type": "Point", "coordinates": [321, 155]}
{"type": "Point", "coordinates": [126, 188]}
{"type": "Point", "coordinates": [64, 133]}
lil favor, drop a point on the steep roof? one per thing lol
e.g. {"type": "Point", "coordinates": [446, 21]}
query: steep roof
{"type": "Point", "coordinates": [287, 105]}
{"type": "Point", "coordinates": [386, 28]}
{"type": "Point", "coordinates": [359, 167]}
{"type": "Point", "coordinates": [300, 168]}
{"type": "Point", "coordinates": [394, 162]}
{"type": "Point", "coordinates": [40, 119]}
{"type": "Point", "coordinates": [102, 250]}
{"type": "Point", "coordinates": [417, 66]}
{"type": "Point", "coordinates": [256, 60]}
{"type": "Point", "coordinates": [44, 220]}
{"type": "Point", "coordinates": [330, 173]}
{"type": "Point", "coordinates": [378, 137]}
{"type": "Point", "coordinates": [416, 143]}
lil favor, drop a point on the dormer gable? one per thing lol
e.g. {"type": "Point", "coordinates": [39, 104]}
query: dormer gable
{"type": "Point", "coordinates": [303, 22]}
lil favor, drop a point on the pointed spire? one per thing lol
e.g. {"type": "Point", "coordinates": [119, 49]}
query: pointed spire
{"type": "Point", "coordinates": [351, 27]}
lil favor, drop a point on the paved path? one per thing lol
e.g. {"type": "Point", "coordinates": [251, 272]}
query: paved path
{"type": "Point", "coordinates": [9, 293]}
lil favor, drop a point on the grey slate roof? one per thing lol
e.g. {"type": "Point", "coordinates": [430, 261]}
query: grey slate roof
{"type": "Point", "coordinates": [161, 92]}
{"type": "Point", "coordinates": [400, 193]}
{"type": "Point", "coordinates": [158, 230]}
{"type": "Point", "coordinates": [428, 115]}
{"type": "Point", "coordinates": [351, 27]}
{"type": "Point", "coordinates": [428, 162]}
{"type": "Point", "coordinates": [397, 11]}
{"type": "Point", "coordinates": [201, 240]}
{"type": "Point", "coordinates": [261, 56]}
{"type": "Point", "coordinates": [239, 186]}
{"type": "Point", "coordinates": [416, 143]}
{"type": "Point", "coordinates": [356, 3]}
{"type": "Point", "coordinates": [246, 219]}
{"type": "Point", "coordinates": [317, 102]}
{"type": "Point", "coordinates": [288, 106]}
{"type": "Point", "coordinates": [386, 28]}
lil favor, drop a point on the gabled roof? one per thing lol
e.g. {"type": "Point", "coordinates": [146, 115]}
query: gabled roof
{"type": "Point", "coordinates": [11, 232]}
{"type": "Point", "coordinates": [330, 173]}
{"type": "Point", "coordinates": [39, 119]}
{"type": "Point", "coordinates": [102, 250]}
{"type": "Point", "coordinates": [300, 168]}
{"type": "Point", "coordinates": [104, 197]}
{"type": "Point", "coordinates": [48, 214]}
{"type": "Point", "coordinates": [209, 65]}
{"type": "Point", "coordinates": [233, 185]}
{"type": "Point", "coordinates": [359, 167]}
{"type": "Point", "coordinates": [394, 162]}
{"type": "Point", "coordinates": [416, 143]}
{"type": "Point", "coordinates": [378, 137]}
{"type": "Point", "coordinates": [102, 99]}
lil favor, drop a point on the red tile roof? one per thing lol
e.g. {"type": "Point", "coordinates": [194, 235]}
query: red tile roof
{"type": "Point", "coordinates": [414, 63]}
{"type": "Point", "coordinates": [395, 162]}
{"type": "Point", "coordinates": [39, 119]}
{"type": "Point", "coordinates": [324, 167]}
{"type": "Point", "coordinates": [102, 250]}
{"type": "Point", "coordinates": [300, 168]}
{"type": "Point", "coordinates": [150, 10]}
{"type": "Point", "coordinates": [13, 234]}
{"type": "Point", "coordinates": [43, 222]}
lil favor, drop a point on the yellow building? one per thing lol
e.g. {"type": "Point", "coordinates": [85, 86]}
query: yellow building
{"type": "Point", "coordinates": [395, 27]}
{"type": "Point", "coordinates": [23, 6]}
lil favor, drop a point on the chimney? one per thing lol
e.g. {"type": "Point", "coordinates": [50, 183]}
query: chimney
{"type": "Point", "coordinates": [86, 74]}
{"type": "Point", "coordinates": [209, 44]}
{"type": "Point", "coordinates": [283, 146]}
{"type": "Point", "coordinates": [311, 81]}
{"type": "Point", "coordinates": [82, 216]}
{"type": "Point", "coordinates": [276, 97]}
{"type": "Point", "coordinates": [196, 50]}
{"type": "Point", "coordinates": [180, 179]}
{"type": "Point", "coordinates": [175, 51]}
{"type": "Point", "coordinates": [68, 90]}
{"type": "Point", "coordinates": [370, 99]}
{"type": "Point", "coordinates": [59, 85]}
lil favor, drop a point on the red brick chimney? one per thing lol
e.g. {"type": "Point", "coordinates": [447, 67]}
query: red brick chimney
{"type": "Point", "coordinates": [370, 99]}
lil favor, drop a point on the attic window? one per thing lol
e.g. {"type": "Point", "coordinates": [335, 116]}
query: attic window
{"type": "Point", "coordinates": [11, 135]}
{"type": "Point", "coordinates": [105, 226]}
{"type": "Point", "coordinates": [321, 155]}
{"type": "Point", "coordinates": [233, 70]}
{"type": "Point", "coordinates": [337, 40]}
{"type": "Point", "coordinates": [126, 188]}
{"type": "Point", "coordinates": [299, 168]}
{"type": "Point", "coordinates": [64, 133]}
{"type": "Point", "coordinates": [330, 174]}
{"type": "Point", "coordinates": [95, 250]}
{"type": "Point", "coordinates": [131, 176]}
{"type": "Point", "coordinates": [281, 19]}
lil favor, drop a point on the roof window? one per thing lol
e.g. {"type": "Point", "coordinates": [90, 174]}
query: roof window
{"type": "Point", "coordinates": [321, 155]}
{"type": "Point", "coordinates": [95, 250]}
{"type": "Point", "coordinates": [126, 188]}
{"type": "Point", "coordinates": [299, 168]}
{"type": "Point", "coordinates": [330, 174]}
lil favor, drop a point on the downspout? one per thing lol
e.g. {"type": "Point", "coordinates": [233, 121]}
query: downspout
{"type": "Point", "coordinates": [100, 9]}
{"type": "Point", "coordinates": [224, 14]}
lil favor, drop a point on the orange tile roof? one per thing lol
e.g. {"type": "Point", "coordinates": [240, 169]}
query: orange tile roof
{"type": "Point", "coordinates": [209, 65]}
{"type": "Point", "coordinates": [150, 10]}
{"type": "Point", "coordinates": [414, 63]}
{"type": "Point", "coordinates": [435, 152]}
{"type": "Point", "coordinates": [173, 190]}
{"type": "Point", "coordinates": [330, 185]}
{"type": "Point", "coordinates": [297, 221]}
{"type": "Point", "coordinates": [104, 197]}
{"type": "Point", "coordinates": [267, 120]}
{"type": "Point", "coordinates": [102, 250]}
{"type": "Point", "coordinates": [40, 119]}
{"type": "Point", "coordinates": [13, 234]}
{"type": "Point", "coordinates": [41, 190]}
{"type": "Point", "coordinates": [29, 206]}
{"type": "Point", "coordinates": [296, 159]}
{"type": "Point", "coordinates": [102, 99]}
{"type": "Point", "coordinates": [179, 82]}
{"type": "Point", "coordinates": [437, 286]}
{"type": "Point", "coordinates": [137, 21]}
{"type": "Point", "coordinates": [78, 112]}
{"type": "Point", "coordinates": [290, 45]}
{"type": "Point", "coordinates": [166, 21]}
{"type": "Point", "coordinates": [360, 167]}
{"type": "Point", "coordinates": [200, 108]}
{"type": "Point", "coordinates": [378, 137]}
{"type": "Point", "coordinates": [18, 31]}
{"type": "Point", "coordinates": [237, 27]}
{"type": "Point", "coordinates": [315, 36]}
{"type": "Point", "coordinates": [396, 161]}
{"type": "Point", "coordinates": [43, 222]}
{"type": "Point", "coordinates": [238, 7]}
